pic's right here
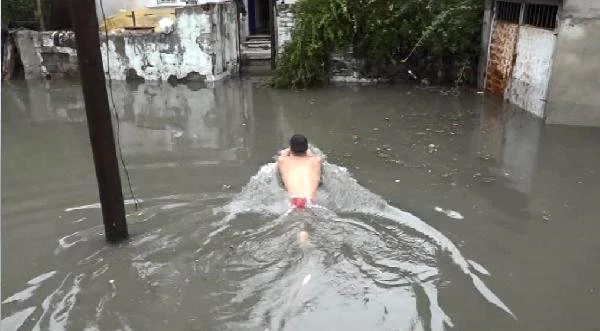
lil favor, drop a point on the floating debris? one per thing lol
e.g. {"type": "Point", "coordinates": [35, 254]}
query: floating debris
{"type": "Point", "coordinates": [545, 216]}
{"type": "Point", "coordinates": [431, 148]}
{"type": "Point", "coordinates": [396, 161]}
{"type": "Point", "coordinates": [450, 213]}
{"type": "Point", "coordinates": [381, 153]}
{"type": "Point", "coordinates": [490, 179]}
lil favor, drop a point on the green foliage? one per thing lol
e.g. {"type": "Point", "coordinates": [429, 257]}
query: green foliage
{"type": "Point", "coordinates": [437, 38]}
{"type": "Point", "coordinates": [22, 12]}
{"type": "Point", "coordinates": [321, 26]}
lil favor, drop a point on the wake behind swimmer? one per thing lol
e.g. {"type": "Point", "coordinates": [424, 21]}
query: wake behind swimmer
{"type": "Point", "coordinates": [265, 195]}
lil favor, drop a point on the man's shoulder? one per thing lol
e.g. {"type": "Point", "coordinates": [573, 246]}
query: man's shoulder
{"type": "Point", "coordinates": [316, 159]}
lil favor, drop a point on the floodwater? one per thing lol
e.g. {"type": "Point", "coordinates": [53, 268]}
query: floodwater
{"type": "Point", "coordinates": [438, 211]}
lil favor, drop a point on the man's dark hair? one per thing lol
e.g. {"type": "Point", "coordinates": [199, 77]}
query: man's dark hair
{"type": "Point", "coordinates": [298, 144]}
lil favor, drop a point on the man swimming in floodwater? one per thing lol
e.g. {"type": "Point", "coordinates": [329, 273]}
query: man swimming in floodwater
{"type": "Point", "coordinates": [301, 174]}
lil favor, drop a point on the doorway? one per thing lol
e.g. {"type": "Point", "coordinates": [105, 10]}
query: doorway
{"type": "Point", "coordinates": [258, 17]}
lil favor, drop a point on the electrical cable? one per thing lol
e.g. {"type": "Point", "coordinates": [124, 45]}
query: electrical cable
{"type": "Point", "coordinates": [112, 100]}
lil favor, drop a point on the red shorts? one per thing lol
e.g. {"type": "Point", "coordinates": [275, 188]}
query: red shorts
{"type": "Point", "coordinates": [300, 203]}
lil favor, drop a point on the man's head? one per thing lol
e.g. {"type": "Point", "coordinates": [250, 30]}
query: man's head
{"type": "Point", "coordinates": [298, 144]}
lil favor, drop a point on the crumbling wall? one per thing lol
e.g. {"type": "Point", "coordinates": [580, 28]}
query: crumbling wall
{"type": "Point", "coordinates": [46, 54]}
{"type": "Point", "coordinates": [284, 24]}
{"type": "Point", "coordinates": [203, 45]}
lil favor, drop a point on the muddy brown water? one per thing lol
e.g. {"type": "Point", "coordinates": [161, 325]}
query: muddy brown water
{"type": "Point", "coordinates": [438, 211]}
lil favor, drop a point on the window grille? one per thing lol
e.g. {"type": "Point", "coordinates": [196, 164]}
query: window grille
{"type": "Point", "coordinates": [541, 16]}
{"type": "Point", "coordinates": [508, 11]}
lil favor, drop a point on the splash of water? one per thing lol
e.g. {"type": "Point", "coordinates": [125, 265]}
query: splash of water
{"type": "Point", "coordinates": [342, 194]}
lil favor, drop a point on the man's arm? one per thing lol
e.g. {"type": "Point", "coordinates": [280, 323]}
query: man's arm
{"type": "Point", "coordinates": [285, 152]}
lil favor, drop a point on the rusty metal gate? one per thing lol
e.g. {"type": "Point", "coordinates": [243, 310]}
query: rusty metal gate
{"type": "Point", "coordinates": [520, 52]}
{"type": "Point", "coordinates": [502, 46]}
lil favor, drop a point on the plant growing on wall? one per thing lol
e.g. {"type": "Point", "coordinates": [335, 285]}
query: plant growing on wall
{"type": "Point", "coordinates": [439, 39]}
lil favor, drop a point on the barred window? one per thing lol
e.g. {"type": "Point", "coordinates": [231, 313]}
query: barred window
{"type": "Point", "coordinates": [541, 16]}
{"type": "Point", "coordinates": [508, 11]}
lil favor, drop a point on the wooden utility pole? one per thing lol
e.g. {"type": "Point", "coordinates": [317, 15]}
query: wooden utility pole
{"type": "Point", "coordinates": [98, 116]}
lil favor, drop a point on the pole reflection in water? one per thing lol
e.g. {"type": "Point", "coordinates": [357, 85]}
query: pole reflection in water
{"type": "Point", "coordinates": [213, 245]}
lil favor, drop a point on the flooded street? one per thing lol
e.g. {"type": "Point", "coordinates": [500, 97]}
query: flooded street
{"type": "Point", "coordinates": [437, 211]}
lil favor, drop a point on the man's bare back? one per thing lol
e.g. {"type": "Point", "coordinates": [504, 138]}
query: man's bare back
{"type": "Point", "coordinates": [300, 174]}
{"type": "Point", "coordinates": [300, 169]}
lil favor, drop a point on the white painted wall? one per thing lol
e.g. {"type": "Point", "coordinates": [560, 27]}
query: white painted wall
{"type": "Point", "coordinates": [284, 23]}
{"type": "Point", "coordinates": [204, 42]}
{"type": "Point", "coordinates": [528, 86]}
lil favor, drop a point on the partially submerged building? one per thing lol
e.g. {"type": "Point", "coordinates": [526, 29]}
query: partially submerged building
{"type": "Point", "coordinates": [542, 55]}
{"type": "Point", "coordinates": [156, 40]}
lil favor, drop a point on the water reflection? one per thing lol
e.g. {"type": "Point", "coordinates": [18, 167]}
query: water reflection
{"type": "Point", "coordinates": [203, 257]}
{"type": "Point", "coordinates": [510, 137]}
{"type": "Point", "coordinates": [154, 116]}
{"type": "Point", "coordinates": [504, 162]}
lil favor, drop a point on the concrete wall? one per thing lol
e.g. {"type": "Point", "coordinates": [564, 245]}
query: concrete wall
{"type": "Point", "coordinates": [573, 96]}
{"type": "Point", "coordinates": [204, 43]}
{"type": "Point", "coordinates": [581, 8]}
{"type": "Point", "coordinates": [531, 71]}
{"type": "Point", "coordinates": [284, 24]}
{"type": "Point", "coordinates": [47, 54]}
